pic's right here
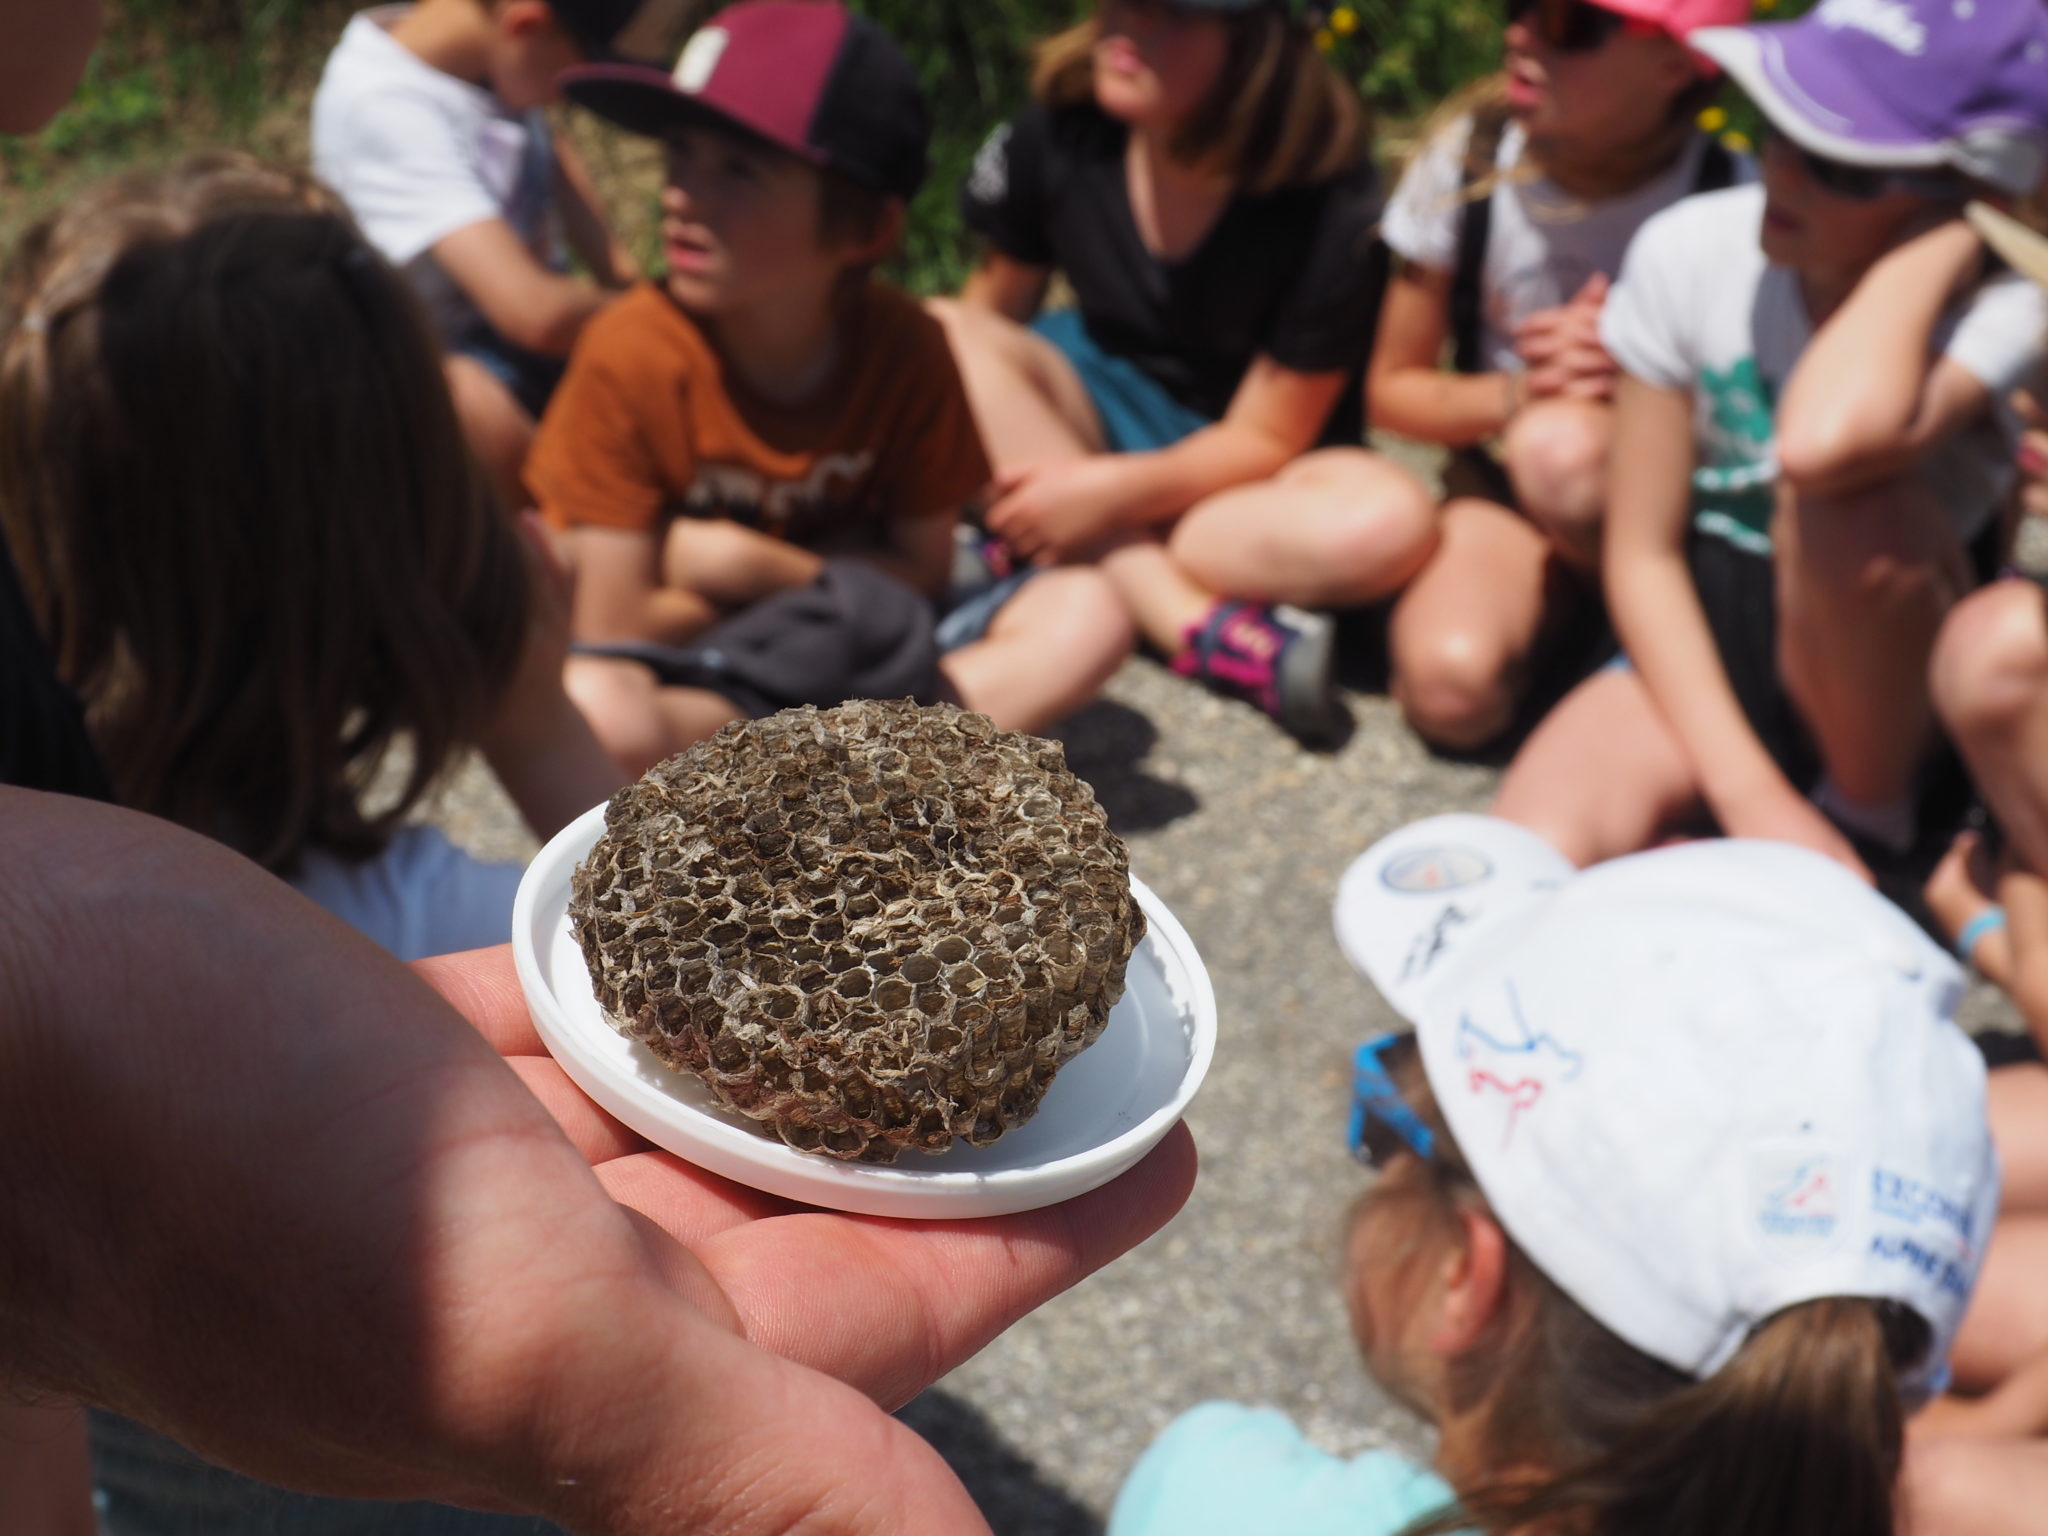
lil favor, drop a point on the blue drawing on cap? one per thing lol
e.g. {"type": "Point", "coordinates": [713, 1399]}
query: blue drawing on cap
{"type": "Point", "coordinates": [1521, 1069]}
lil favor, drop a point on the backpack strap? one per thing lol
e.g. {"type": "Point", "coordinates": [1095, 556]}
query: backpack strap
{"type": "Point", "coordinates": [1475, 229]}
{"type": "Point", "coordinates": [1717, 168]}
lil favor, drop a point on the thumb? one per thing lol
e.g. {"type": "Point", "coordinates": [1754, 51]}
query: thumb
{"type": "Point", "coordinates": [1593, 292]}
{"type": "Point", "coordinates": [2029, 410]}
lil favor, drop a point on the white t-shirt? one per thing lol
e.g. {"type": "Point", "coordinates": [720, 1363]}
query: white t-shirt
{"type": "Point", "coordinates": [418, 154]}
{"type": "Point", "coordinates": [1544, 242]}
{"type": "Point", "coordinates": [421, 896]}
{"type": "Point", "coordinates": [1699, 308]}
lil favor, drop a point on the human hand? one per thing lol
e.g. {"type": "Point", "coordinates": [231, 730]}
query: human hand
{"type": "Point", "coordinates": [2033, 453]}
{"type": "Point", "coordinates": [1782, 815]}
{"type": "Point", "coordinates": [1561, 350]}
{"type": "Point", "coordinates": [731, 565]}
{"type": "Point", "coordinates": [284, 1204]}
{"type": "Point", "coordinates": [1060, 509]}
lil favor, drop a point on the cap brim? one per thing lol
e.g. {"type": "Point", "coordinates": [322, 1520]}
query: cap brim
{"type": "Point", "coordinates": [1754, 58]}
{"type": "Point", "coordinates": [643, 99]}
{"type": "Point", "coordinates": [1433, 890]}
{"type": "Point", "coordinates": [2021, 248]}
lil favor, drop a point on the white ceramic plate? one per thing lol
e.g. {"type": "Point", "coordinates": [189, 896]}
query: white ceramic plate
{"type": "Point", "coordinates": [1109, 1106]}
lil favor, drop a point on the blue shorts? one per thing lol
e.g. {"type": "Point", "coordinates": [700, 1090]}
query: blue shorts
{"type": "Point", "coordinates": [1137, 413]}
{"type": "Point", "coordinates": [529, 376]}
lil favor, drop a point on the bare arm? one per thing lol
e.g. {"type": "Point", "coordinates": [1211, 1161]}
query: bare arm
{"type": "Point", "coordinates": [1010, 288]}
{"type": "Point", "coordinates": [1408, 390]}
{"type": "Point", "coordinates": [525, 303]}
{"type": "Point", "coordinates": [583, 221]}
{"type": "Point", "coordinates": [1662, 626]}
{"type": "Point", "coordinates": [620, 594]}
{"type": "Point", "coordinates": [1867, 399]}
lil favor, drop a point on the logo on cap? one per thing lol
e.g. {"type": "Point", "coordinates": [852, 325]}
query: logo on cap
{"type": "Point", "coordinates": [1518, 1065]}
{"type": "Point", "coordinates": [1428, 871]}
{"type": "Point", "coordinates": [700, 60]}
{"type": "Point", "coordinates": [1798, 1198]}
{"type": "Point", "coordinates": [1889, 21]}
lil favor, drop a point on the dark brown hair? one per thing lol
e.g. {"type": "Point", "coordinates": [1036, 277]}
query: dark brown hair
{"type": "Point", "coordinates": [232, 474]}
{"type": "Point", "coordinates": [1799, 1435]}
{"type": "Point", "coordinates": [1278, 116]}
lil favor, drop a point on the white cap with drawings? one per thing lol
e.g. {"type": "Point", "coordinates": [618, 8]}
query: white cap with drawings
{"type": "Point", "coordinates": [1698, 1085]}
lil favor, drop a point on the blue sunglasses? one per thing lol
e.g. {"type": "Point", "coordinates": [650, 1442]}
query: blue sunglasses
{"type": "Point", "coordinates": [1382, 1124]}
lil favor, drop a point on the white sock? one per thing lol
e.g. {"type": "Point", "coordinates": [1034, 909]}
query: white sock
{"type": "Point", "coordinates": [1889, 826]}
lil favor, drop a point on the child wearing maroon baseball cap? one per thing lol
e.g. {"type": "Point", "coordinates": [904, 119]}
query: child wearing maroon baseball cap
{"type": "Point", "coordinates": [732, 435]}
{"type": "Point", "coordinates": [1813, 444]}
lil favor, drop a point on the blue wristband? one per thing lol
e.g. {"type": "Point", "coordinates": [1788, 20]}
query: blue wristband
{"type": "Point", "coordinates": [1989, 921]}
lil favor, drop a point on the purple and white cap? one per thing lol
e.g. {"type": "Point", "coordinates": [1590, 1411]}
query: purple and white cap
{"type": "Point", "coordinates": [1903, 84]}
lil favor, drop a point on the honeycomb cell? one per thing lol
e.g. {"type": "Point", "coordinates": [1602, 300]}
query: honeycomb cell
{"type": "Point", "coordinates": [869, 928]}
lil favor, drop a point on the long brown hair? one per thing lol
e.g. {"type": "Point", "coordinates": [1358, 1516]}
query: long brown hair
{"type": "Point", "coordinates": [1801, 1434]}
{"type": "Point", "coordinates": [1278, 116]}
{"type": "Point", "coordinates": [232, 474]}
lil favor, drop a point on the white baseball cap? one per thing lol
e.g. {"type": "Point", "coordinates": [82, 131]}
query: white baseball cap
{"type": "Point", "coordinates": [1698, 1085]}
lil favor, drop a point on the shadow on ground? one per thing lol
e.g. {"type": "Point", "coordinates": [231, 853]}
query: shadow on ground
{"type": "Point", "coordinates": [1107, 744]}
{"type": "Point", "coordinates": [1015, 1498]}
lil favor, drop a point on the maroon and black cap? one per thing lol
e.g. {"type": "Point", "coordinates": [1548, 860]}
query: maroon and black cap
{"type": "Point", "coordinates": [594, 25]}
{"type": "Point", "coordinates": [807, 76]}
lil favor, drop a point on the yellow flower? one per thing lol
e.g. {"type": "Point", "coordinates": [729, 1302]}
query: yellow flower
{"type": "Point", "coordinates": [1343, 21]}
{"type": "Point", "coordinates": [1767, 5]}
{"type": "Point", "coordinates": [1737, 143]}
{"type": "Point", "coordinates": [1326, 41]}
{"type": "Point", "coordinates": [1713, 120]}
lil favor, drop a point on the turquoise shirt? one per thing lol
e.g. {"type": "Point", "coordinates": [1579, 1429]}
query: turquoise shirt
{"type": "Point", "coordinates": [1226, 1470]}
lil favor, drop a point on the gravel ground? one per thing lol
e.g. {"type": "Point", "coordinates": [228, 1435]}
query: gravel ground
{"type": "Point", "coordinates": [1243, 835]}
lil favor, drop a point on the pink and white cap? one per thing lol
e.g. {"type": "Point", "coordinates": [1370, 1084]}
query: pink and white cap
{"type": "Point", "coordinates": [1698, 1085]}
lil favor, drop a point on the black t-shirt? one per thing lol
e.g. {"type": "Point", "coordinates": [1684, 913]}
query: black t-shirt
{"type": "Point", "coordinates": [1290, 274]}
{"type": "Point", "coordinates": [43, 744]}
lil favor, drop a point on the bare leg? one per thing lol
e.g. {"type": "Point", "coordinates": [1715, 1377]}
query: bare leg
{"type": "Point", "coordinates": [2024, 895]}
{"type": "Point", "coordinates": [1463, 632]}
{"type": "Point", "coordinates": [1603, 775]}
{"type": "Point", "coordinates": [45, 1472]}
{"type": "Point", "coordinates": [1863, 582]}
{"type": "Point", "coordinates": [1955, 1486]}
{"type": "Point", "coordinates": [1332, 530]}
{"type": "Point", "coordinates": [639, 722]}
{"type": "Point", "coordinates": [1028, 401]}
{"type": "Point", "coordinates": [2008, 1317]}
{"type": "Point", "coordinates": [2018, 1098]}
{"type": "Point", "coordinates": [1048, 652]}
{"type": "Point", "coordinates": [1555, 452]}
{"type": "Point", "coordinates": [1990, 685]}
{"type": "Point", "coordinates": [495, 425]}
{"type": "Point", "coordinates": [1160, 593]}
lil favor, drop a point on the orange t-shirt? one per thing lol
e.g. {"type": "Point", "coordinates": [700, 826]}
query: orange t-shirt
{"type": "Point", "coordinates": [649, 423]}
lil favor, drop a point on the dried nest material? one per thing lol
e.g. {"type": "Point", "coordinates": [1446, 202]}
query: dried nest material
{"type": "Point", "coordinates": [872, 927]}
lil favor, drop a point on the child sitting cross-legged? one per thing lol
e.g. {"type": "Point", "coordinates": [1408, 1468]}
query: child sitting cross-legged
{"type": "Point", "coordinates": [429, 122]}
{"type": "Point", "coordinates": [1681, 1182]}
{"type": "Point", "coordinates": [769, 441]}
{"type": "Point", "coordinates": [1812, 445]}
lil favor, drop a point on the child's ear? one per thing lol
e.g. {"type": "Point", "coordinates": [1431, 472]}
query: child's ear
{"type": "Point", "coordinates": [1473, 1286]}
{"type": "Point", "coordinates": [522, 19]}
{"type": "Point", "coordinates": [887, 237]}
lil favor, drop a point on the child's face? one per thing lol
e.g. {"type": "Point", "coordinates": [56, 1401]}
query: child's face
{"type": "Point", "coordinates": [740, 224]}
{"type": "Point", "coordinates": [1816, 229]}
{"type": "Point", "coordinates": [1617, 91]}
{"type": "Point", "coordinates": [531, 52]}
{"type": "Point", "coordinates": [1154, 64]}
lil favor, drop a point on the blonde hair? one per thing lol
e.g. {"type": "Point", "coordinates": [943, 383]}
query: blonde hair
{"type": "Point", "coordinates": [1278, 116]}
{"type": "Point", "coordinates": [1801, 1434]}
{"type": "Point", "coordinates": [245, 517]}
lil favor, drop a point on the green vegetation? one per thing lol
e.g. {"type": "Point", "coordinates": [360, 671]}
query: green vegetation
{"type": "Point", "coordinates": [175, 74]}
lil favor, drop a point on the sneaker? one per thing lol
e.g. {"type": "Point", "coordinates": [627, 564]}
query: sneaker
{"type": "Point", "coordinates": [1278, 659]}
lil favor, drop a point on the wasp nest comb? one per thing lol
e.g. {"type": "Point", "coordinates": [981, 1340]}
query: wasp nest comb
{"type": "Point", "coordinates": [872, 927]}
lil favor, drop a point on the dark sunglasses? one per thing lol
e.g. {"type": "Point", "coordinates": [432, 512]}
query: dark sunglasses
{"type": "Point", "coordinates": [1575, 26]}
{"type": "Point", "coordinates": [1864, 183]}
{"type": "Point", "coordinates": [1382, 1124]}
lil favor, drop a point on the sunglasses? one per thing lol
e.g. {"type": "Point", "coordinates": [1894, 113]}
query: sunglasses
{"type": "Point", "coordinates": [1864, 183]}
{"type": "Point", "coordinates": [1382, 1124]}
{"type": "Point", "coordinates": [1577, 26]}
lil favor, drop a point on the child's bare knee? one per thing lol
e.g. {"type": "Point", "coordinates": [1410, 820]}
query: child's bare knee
{"type": "Point", "coordinates": [1990, 664]}
{"type": "Point", "coordinates": [1454, 690]}
{"type": "Point", "coordinates": [618, 699]}
{"type": "Point", "coordinates": [1075, 609]}
{"type": "Point", "coordinates": [1556, 454]}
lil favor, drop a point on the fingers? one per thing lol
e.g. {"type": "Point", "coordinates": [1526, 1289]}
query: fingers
{"type": "Point", "coordinates": [1593, 293]}
{"type": "Point", "coordinates": [590, 1130]}
{"type": "Point", "coordinates": [484, 988]}
{"type": "Point", "coordinates": [688, 1203]}
{"type": "Point", "coordinates": [890, 1306]}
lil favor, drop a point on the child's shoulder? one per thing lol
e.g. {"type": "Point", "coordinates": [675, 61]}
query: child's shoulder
{"type": "Point", "coordinates": [643, 333]}
{"type": "Point", "coordinates": [1225, 1467]}
{"type": "Point", "coordinates": [1717, 229]}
